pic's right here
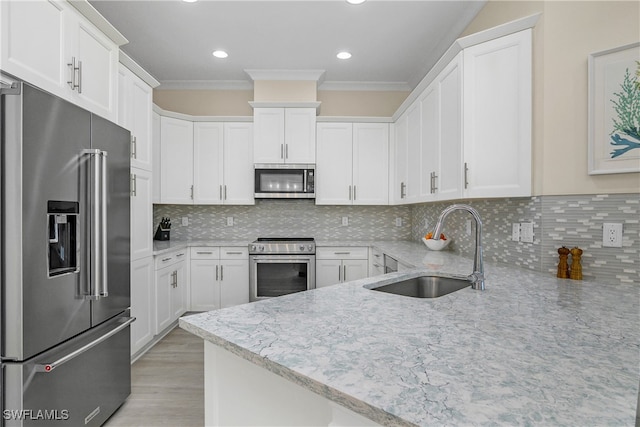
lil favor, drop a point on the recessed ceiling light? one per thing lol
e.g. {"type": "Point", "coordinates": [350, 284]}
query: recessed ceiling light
{"type": "Point", "coordinates": [355, 1]}
{"type": "Point", "coordinates": [343, 55]}
{"type": "Point", "coordinates": [220, 54]}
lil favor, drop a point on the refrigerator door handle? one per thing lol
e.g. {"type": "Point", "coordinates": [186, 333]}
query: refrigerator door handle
{"type": "Point", "coordinates": [48, 367]}
{"type": "Point", "coordinates": [97, 218]}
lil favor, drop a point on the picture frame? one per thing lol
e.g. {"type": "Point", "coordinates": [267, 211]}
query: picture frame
{"type": "Point", "coordinates": [614, 110]}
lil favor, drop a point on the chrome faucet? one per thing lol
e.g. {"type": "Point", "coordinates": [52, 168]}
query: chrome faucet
{"type": "Point", "coordinates": [477, 277]}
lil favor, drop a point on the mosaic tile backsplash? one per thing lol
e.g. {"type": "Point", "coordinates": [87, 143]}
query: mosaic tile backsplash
{"type": "Point", "coordinates": [557, 221]}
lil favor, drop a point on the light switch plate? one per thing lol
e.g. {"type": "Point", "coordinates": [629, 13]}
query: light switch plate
{"type": "Point", "coordinates": [230, 221]}
{"type": "Point", "coordinates": [515, 231]}
{"type": "Point", "coordinates": [612, 235]}
{"type": "Point", "coordinates": [185, 221]}
{"type": "Point", "coordinates": [526, 232]}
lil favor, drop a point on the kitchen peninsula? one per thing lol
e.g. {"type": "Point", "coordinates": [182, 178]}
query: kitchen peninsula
{"type": "Point", "coordinates": [531, 349]}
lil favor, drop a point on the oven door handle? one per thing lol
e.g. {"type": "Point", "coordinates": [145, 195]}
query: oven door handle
{"type": "Point", "coordinates": [282, 258]}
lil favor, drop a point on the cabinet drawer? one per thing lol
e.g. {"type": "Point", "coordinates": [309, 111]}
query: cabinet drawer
{"type": "Point", "coordinates": [205, 252]}
{"type": "Point", "coordinates": [335, 252]}
{"type": "Point", "coordinates": [234, 252]}
{"type": "Point", "coordinates": [170, 258]}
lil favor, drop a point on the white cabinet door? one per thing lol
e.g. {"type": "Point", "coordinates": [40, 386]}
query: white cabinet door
{"type": "Point", "coordinates": [450, 170]}
{"type": "Point", "coordinates": [96, 59]}
{"type": "Point", "coordinates": [164, 279]}
{"type": "Point", "coordinates": [300, 135]}
{"type": "Point", "coordinates": [180, 291]}
{"type": "Point", "coordinates": [234, 282]}
{"type": "Point", "coordinates": [401, 162]}
{"type": "Point", "coordinates": [205, 284]}
{"type": "Point", "coordinates": [430, 140]}
{"type": "Point", "coordinates": [497, 117]}
{"type": "Point", "coordinates": [142, 303]}
{"type": "Point", "coordinates": [334, 164]}
{"type": "Point", "coordinates": [141, 214]}
{"type": "Point", "coordinates": [208, 148]}
{"type": "Point", "coordinates": [268, 142]}
{"type": "Point", "coordinates": [140, 98]}
{"type": "Point", "coordinates": [370, 164]}
{"type": "Point", "coordinates": [176, 161]}
{"type": "Point", "coordinates": [155, 154]}
{"type": "Point", "coordinates": [32, 46]}
{"type": "Point", "coordinates": [238, 164]}
{"type": "Point", "coordinates": [328, 272]}
{"type": "Point", "coordinates": [354, 269]}
{"type": "Point", "coordinates": [284, 135]}
{"type": "Point", "coordinates": [414, 152]}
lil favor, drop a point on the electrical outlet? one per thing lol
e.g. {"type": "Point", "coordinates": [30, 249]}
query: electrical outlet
{"type": "Point", "coordinates": [398, 222]}
{"type": "Point", "coordinates": [611, 235]}
{"type": "Point", "coordinates": [230, 221]}
{"type": "Point", "coordinates": [185, 221]}
{"type": "Point", "coordinates": [426, 224]}
{"type": "Point", "coordinates": [468, 227]}
{"type": "Point", "coordinates": [515, 231]}
{"type": "Point", "coordinates": [345, 220]}
{"type": "Point", "coordinates": [526, 232]}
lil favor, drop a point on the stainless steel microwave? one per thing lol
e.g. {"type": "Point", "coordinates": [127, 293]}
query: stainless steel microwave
{"type": "Point", "coordinates": [285, 181]}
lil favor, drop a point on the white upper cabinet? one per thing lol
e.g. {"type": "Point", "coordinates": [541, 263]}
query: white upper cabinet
{"type": "Point", "coordinates": [206, 163]}
{"type": "Point", "coordinates": [414, 152]}
{"type": "Point", "coordinates": [51, 45]}
{"type": "Point", "coordinates": [497, 117]}
{"type": "Point", "coordinates": [442, 135]}
{"type": "Point", "coordinates": [155, 157]}
{"type": "Point", "coordinates": [237, 163]}
{"type": "Point", "coordinates": [141, 214]}
{"type": "Point", "coordinates": [370, 163]}
{"type": "Point", "coordinates": [208, 151]}
{"type": "Point", "coordinates": [176, 161]}
{"type": "Point", "coordinates": [135, 109]}
{"type": "Point", "coordinates": [400, 148]}
{"type": "Point", "coordinates": [284, 135]}
{"type": "Point", "coordinates": [352, 164]}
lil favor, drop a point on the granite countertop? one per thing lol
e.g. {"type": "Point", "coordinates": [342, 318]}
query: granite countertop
{"type": "Point", "coordinates": [531, 349]}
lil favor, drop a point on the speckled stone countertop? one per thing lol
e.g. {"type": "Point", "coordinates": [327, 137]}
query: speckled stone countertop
{"type": "Point", "coordinates": [530, 350]}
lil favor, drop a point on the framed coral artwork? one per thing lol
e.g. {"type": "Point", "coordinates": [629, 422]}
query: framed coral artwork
{"type": "Point", "coordinates": [614, 110]}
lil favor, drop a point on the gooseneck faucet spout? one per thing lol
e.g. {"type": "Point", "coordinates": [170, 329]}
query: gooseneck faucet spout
{"type": "Point", "coordinates": [477, 277]}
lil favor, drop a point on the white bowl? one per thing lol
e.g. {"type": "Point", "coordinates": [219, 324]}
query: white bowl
{"type": "Point", "coordinates": [436, 245]}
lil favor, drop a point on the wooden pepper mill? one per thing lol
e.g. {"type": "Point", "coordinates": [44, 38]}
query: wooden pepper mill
{"type": "Point", "coordinates": [563, 265]}
{"type": "Point", "coordinates": [576, 268]}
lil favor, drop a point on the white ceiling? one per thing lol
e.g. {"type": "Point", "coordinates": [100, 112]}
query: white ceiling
{"type": "Point", "coordinates": [394, 42]}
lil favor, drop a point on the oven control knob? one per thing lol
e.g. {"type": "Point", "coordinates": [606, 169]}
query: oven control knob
{"type": "Point", "coordinates": [301, 248]}
{"type": "Point", "coordinates": [253, 248]}
{"type": "Point", "coordinates": [261, 248]}
{"type": "Point", "coordinates": [310, 248]}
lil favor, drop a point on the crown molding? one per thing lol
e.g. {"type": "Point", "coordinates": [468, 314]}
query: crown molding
{"type": "Point", "coordinates": [138, 70]}
{"type": "Point", "coordinates": [90, 12]}
{"type": "Point", "coordinates": [310, 75]}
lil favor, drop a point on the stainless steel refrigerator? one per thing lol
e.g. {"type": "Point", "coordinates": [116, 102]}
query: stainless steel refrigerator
{"type": "Point", "coordinates": [65, 335]}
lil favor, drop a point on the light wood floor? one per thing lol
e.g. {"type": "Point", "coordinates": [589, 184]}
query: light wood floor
{"type": "Point", "coordinates": [167, 385]}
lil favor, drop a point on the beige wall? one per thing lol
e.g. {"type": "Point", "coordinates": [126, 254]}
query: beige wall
{"type": "Point", "coordinates": [360, 103]}
{"type": "Point", "coordinates": [284, 91]}
{"type": "Point", "coordinates": [566, 34]}
{"type": "Point", "coordinates": [205, 102]}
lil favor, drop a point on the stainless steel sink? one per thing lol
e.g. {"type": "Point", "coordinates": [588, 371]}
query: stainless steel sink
{"type": "Point", "coordinates": [425, 286]}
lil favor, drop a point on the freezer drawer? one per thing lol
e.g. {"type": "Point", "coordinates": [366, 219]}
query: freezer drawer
{"type": "Point", "coordinates": [81, 382]}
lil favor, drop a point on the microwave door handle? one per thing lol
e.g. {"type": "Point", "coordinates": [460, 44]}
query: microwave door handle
{"type": "Point", "coordinates": [304, 182]}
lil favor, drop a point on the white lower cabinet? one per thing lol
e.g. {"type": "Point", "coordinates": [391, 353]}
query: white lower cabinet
{"type": "Point", "coordinates": [340, 264]}
{"type": "Point", "coordinates": [172, 288]}
{"type": "Point", "coordinates": [142, 303]}
{"type": "Point", "coordinates": [219, 277]}
{"type": "Point", "coordinates": [376, 262]}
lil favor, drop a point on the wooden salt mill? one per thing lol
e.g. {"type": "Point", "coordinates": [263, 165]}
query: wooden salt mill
{"type": "Point", "coordinates": [576, 268]}
{"type": "Point", "coordinates": [563, 265]}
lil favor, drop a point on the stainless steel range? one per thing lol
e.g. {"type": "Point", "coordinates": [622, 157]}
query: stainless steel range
{"type": "Point", "coordinates": [280, 266]}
